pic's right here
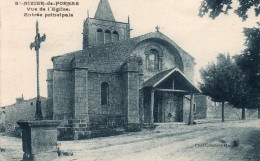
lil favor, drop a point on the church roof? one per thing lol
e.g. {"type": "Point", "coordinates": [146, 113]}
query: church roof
{"type": "Point", "coordinates": [104, 11]}
{"type": "Point", "coordinates": [157, 79]}
{"type": "Point", "coordinates": [109, 57]}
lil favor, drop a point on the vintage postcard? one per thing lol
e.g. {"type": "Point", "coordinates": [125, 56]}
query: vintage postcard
{"type": "Point", "coordinates": [123, 80]}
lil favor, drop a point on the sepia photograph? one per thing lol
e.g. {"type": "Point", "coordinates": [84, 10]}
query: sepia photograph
{"type": "Point", "coordinates": [130, 80]}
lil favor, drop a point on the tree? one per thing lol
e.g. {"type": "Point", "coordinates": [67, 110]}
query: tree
{"type": "Point", "coordinates": [249, 60]}
{"type": "Point", "coordinates": [249, 63]}
{"type": "Point", "coordinates": [216, 79]}
{"type": "Point", "coordinates": [225, 82]}
{"type": "Point", "coordinates": [216, 7]}
{"type": "Point", "coordinates": [240, 92]}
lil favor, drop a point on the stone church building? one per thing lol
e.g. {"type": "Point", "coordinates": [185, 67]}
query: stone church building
{"type": "Point", "coordinates": [119, 81]}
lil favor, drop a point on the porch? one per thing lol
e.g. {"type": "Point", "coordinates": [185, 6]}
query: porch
{"type": "Point", "coordinates": [165, 95]}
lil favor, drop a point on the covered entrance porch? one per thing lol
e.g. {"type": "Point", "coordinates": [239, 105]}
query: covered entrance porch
{"type": "Point", "coordinates": [169, 97]}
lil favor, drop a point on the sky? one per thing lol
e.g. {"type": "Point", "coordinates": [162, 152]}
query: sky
{"type": "Point", "coordinates": [203, 38]}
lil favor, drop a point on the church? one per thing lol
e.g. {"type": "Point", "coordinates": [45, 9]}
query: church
{"type": "Point", "coordinates": [119, 81]}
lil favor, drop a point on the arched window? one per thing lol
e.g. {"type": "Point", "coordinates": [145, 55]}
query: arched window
{"type": "Point", "coordinates": [104, 93]}
{"type": "Point", "coordinates": [115, 36]}
{"type": "Point", "coordinates": [153, 58]}
{"type": "Point", "coordinates": [107, 36]}
{"type": "Point", "coordinates": [151, 61]}
{"type": "Point", "coordinates": [100, 36]}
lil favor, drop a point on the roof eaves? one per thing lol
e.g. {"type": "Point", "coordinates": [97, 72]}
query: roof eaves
{"type": "Point", "coordinates": [199, 91]}
{"type": "Point", "coordinates": [157, 83]}
{"type": "Point", "coordinates": [171, 72]}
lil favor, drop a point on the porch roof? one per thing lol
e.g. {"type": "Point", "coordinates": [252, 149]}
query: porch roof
{"type": "Point", "coordinates": [157, 79]}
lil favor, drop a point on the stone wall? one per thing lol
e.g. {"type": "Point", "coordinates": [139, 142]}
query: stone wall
{"type": "Point", "coordinates": [215, 111]}
{"type": "Point", "coordinates": [24, 110]}
{"type": "Point", "coordinates": [186, 108]}
{"type": "Point", "coordinates": [104, 114]}
{"type": "Point", "coordinates": [170, 59]}
{"type": "Point", "coordinates": [76, 92]}
{"type": "Point", "coordinates": [131, 90]}
{"type": "Point", "coordinates": [92, 25]}
{"type": "Point", "coordinates": [189, 65]}
{"type": "Point", "coordinates": [173, 48]}
{"type": "Point", "coordinates": [49, 101]}
{"type": "Point", "coordinates": [147, 104]}
{"type": "Point", "coordinates": [62, 95]}
{"type": "Point", "coordinates": [80, 91]}
{"type": "Point", "coordinates": [201, 103]}
{"type": "Point", "coordinates": [108, 58]}
{"type": "Point", "coordinates": [205, 108]}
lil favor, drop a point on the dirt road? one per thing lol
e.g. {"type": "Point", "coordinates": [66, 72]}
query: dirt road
{"type": "Point", "coordinates": [208, 140]}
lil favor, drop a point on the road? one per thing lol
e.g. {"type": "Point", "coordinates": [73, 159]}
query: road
{"type": "Point", "coordinates": [207, 140]}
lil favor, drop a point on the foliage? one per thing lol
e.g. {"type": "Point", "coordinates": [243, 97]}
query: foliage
{"type": "Point", "coordinates": [249, 63]}
{"type": "Point", "coordinates": [249, 60]}
{"type": "Point", "coordinates": [224, 81]}
{"type": "Point", "coordinates": [217, 78]}
{"type": "Point", "coordinates": [241, 95]}
{"type": "Point", "coordinates": [216, 7]}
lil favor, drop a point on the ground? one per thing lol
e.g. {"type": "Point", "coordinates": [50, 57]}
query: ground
{"type": "Point", "coordinates": [207, 140]}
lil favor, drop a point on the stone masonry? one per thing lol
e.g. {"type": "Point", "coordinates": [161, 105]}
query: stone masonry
{"type": "Point", "coordinates": [104, 86]}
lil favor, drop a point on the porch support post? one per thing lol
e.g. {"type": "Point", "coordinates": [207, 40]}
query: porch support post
{"type": "Point", "coordinates": [173, 83]}
{"type": "Point", "coordinates": [151, 107]}
{"type": "Point", "coordinates": [190, 122]}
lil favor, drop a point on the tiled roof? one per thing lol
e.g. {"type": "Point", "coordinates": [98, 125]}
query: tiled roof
{"type": "Point", "coordinates": [160, 77]}
{"type": "Point", "coordinates": [109, 57]}
{"type": "Point", "coordinates": [156, 78]}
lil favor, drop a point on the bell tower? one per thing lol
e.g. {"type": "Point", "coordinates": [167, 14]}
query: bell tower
{"type": "Point", "coordinates": [104, 11]}
{"type": "Point", "coordinates": [103, 28]}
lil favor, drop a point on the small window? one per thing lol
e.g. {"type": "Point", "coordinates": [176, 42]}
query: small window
{"type": "Point", "coordinates": [100, 36]}
{"type": "Point", "coordinates": [153, 60]}
{"type": "Point", "coordinates": [154, 57]}
{"type": "Point", "coordinates": [107, 36]}
{"type": "Point", "coordinates": [115, 36]}
{"type": "Point", "coordinates": [31, 103]}
{"type": "Point", "coordinates": [104, 93]}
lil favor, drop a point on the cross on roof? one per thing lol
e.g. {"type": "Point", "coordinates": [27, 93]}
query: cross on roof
{"type": "Point", "coordinates": [157, 28]}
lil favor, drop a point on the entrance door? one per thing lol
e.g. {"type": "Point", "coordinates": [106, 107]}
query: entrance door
{"type": "Point", "coordinates": [164, 108]}
{"type": "Point", "coordinates": [169, 108]}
